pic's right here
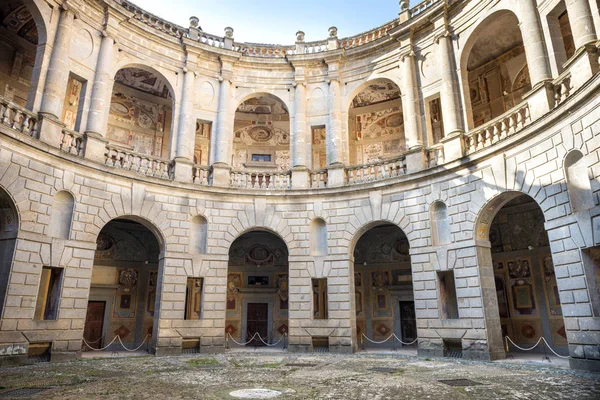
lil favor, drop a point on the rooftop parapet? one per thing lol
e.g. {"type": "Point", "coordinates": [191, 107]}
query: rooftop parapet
{"type": "Point", "coordinates": [196, 33]}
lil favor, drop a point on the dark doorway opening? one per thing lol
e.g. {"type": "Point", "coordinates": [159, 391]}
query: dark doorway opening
{"type": "Point", "coordinates": [257, 322]}
{"type": "Point", "coordinates": [94, 323]}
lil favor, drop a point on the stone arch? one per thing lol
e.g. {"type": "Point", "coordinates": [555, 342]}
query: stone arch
{"type": "Point", "coordinates": [258, 258]}
{"type": "Point", "coordinates": [359, 87]}
{"type": "Point", "coordinates": [145, 222]}
{"type": "Point", "coordinates": [285, 238]}
{"type": "Point", "coordinates": [373, 122]}
{"type": "Point", "coordinates": [521, 256]}
{"type": "Point", "coordinates": [252, 93]}
{"type": "Point", "coordinates": [9, 228]}
{"type": "Point", "coordinates": [168, 78]}
{"type": "Point", "coordinates": [508, 10]}
{"type": "Point", "coordinates": [358, 233]}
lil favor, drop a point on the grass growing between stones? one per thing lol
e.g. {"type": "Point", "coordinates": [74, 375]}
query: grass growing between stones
{"type": "Point", "coordinates": [199, 362]}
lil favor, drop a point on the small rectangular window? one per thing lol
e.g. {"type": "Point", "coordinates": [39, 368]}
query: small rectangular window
{"type": "Point", "coordinates": [435, 122]}
{"type": "Point", "coordinates": [261, 157]}
{"type": "Point", "coordinates": [46, 307]}
{"type": "Point", "coordinates": [193, 298]}
{"type": "Point", "coordinates": [320, 303]}
{"type": "Point", "coordinates": [448, 299]}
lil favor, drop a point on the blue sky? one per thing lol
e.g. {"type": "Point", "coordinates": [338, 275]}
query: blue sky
{"type": "Point", "coordinates": [276, 21]}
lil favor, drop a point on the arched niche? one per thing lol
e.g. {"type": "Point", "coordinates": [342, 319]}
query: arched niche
{"type": "Point", "coordinates": [440, 223]}
{"type": "Point", "coordinates": [375, 123]}
{"type": "Point", "coordinates": [198, 235]}
{"type": "Point", "coordinates": [62, 215]}
{"type": "Point", "coordinates": [494, 68]}
{"type": "Point", "coordinates": [578, 181]}
{"type": "Point", "coordinates": [318, 237]}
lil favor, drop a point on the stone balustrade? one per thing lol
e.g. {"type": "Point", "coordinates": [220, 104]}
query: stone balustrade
{"type": "Point", "coordinates": [562, 88]}
{"type": "Point", "coordinates": [369, 36]}
{"type": "Point", "coordinates": [315, 47]}
{"type": "Point", "coordinates": [119, 157]}
{"type": "Point", "coordinates": [71, 142]}
{"type": "Point", "coordinates": [263, 50]}
{"type": "Point", "coordinates": [17, 118]}
{"type": "Point", "coordinates": [422, 7]}
{"type": "Point", "coordinates": [201, 175]}
{"type": "Point", "coordinates": [435, 155]}
{"type": "Point", "coordinates": [260, 180]}
{"type": "Point", "coordinates": [376, 171]}
{"type": "Point", "coordinates": [211, 40]}
{"type": "Point", "coordinates": [318, 178]}
{"type": "Point", "coordinates": [154, 21]}
{"type": "Point", "coordinates": [276, 51]}
{"type": "Point", "coordinates": [498, 129]}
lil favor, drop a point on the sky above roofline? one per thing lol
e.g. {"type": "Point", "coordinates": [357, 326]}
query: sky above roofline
{"type": "Point", "coordinates": [276, 22]}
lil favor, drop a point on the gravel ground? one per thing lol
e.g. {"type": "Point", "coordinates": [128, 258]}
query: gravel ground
{"type": "Point", "coordinates": [297, 376]}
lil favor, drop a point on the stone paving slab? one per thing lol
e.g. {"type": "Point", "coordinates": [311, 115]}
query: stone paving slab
{"type": "Point", "coordinates": [297, 376]}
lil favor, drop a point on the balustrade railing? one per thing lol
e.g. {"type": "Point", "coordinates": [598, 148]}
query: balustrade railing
{"type": "Point", "coordinates": [376, 171]}
{"type": "Point", "coordinates": [562, 88]}
{"type": "Point", "coordinates": [315, 47]}
{"type": "Point", "coordinates": [318, 178]}
{"type": "Point", "coordinates": [435, 155]}
{"type": "Point", "coordinates": [260, 180]}
{"type": "Point", "coordinates": [498, 129]}
{"type": "Point", "coordinates": [119, 157]}
{"type": "Point", "coordinates": [17, 117]}
{"type": "Point", "coordinates": [422, 7]}
{"type": "Point", "coordinates": [71, 142]}
{"type": "Point", "coordinates": [369, 36]}
{"type": "Point", "coordinates": [201, 174]}
{"type": "Point", "coordinates": [264, 50]}
{"type": "Point", "coordinates": [154, 21]}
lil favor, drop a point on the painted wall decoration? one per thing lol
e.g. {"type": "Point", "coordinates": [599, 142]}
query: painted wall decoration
{"type": "Point", "coordinates": [143, 80]}
{"type": "Point", "coordinates": [137, 124]}
{"type": "Point", "coordinates": [376, 93]}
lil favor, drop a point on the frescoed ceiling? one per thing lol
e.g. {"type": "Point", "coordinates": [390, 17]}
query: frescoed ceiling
{"type": "Point", "coordinates": [16, 18]}
{"type": "Point", "coordinates": [376, 93]}
{"type": "Point", "coordinates": [143, 80]}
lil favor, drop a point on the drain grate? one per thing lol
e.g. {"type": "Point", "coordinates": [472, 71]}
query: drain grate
{"type": "Point", "coordinates": [384, 370]}
{"type": "Point", "coordinates": [301, 365]}
{"type": "Point", "coordinates": [459, 382]}
{"type": "Point", "coordinates": [24, 392]}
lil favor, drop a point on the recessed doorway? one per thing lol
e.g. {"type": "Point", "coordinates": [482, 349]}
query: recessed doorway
{"type": "Point", "coordinates": [257, 321]}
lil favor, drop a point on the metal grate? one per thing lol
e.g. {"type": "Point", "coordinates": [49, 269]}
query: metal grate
{"type": "Point", "coordinates": [24, 392]}
{"type": "Point", "coordinates": [459, 382]}
{"type": "Point", "coordinates": [194, 350]}
{"type": "Point", "coordinates": [453, 353]}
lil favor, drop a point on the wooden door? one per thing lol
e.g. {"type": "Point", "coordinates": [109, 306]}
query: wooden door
{"type": "Point", "coordinates": [257, 321]}
{"type": "Point", "coordinates": [94, 321]}
{"type": "Point", "coordinates": [408, 322]}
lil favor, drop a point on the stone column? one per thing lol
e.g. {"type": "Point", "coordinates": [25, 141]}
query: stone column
{"type": "Point", "coordinates": [582, 22]}
{"type": "Point", "coordinates": [184, 150]}
{"type": "Point", "coordinates": [533, 41]}
{"type": "Point", "coordinates": [584, 64]}
{"type": "Point", "coordinates": [451, 115]}
{"type": "Point", "coordinates": [97, 122]}
{"type": "Point", "coordinates": [298, 142]}
{"type": "Point", "coordinates": [220, 154]}
{"type": "Point", "coordinates": [57, 78]}
{"type": "Point", "coordinates": [335, 159]}
{"type": "Point", "coordinates": [415, 156]}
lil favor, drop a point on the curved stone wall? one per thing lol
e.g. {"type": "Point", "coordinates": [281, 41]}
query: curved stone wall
{"type": "Point", "coordinates": [474, 171]}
